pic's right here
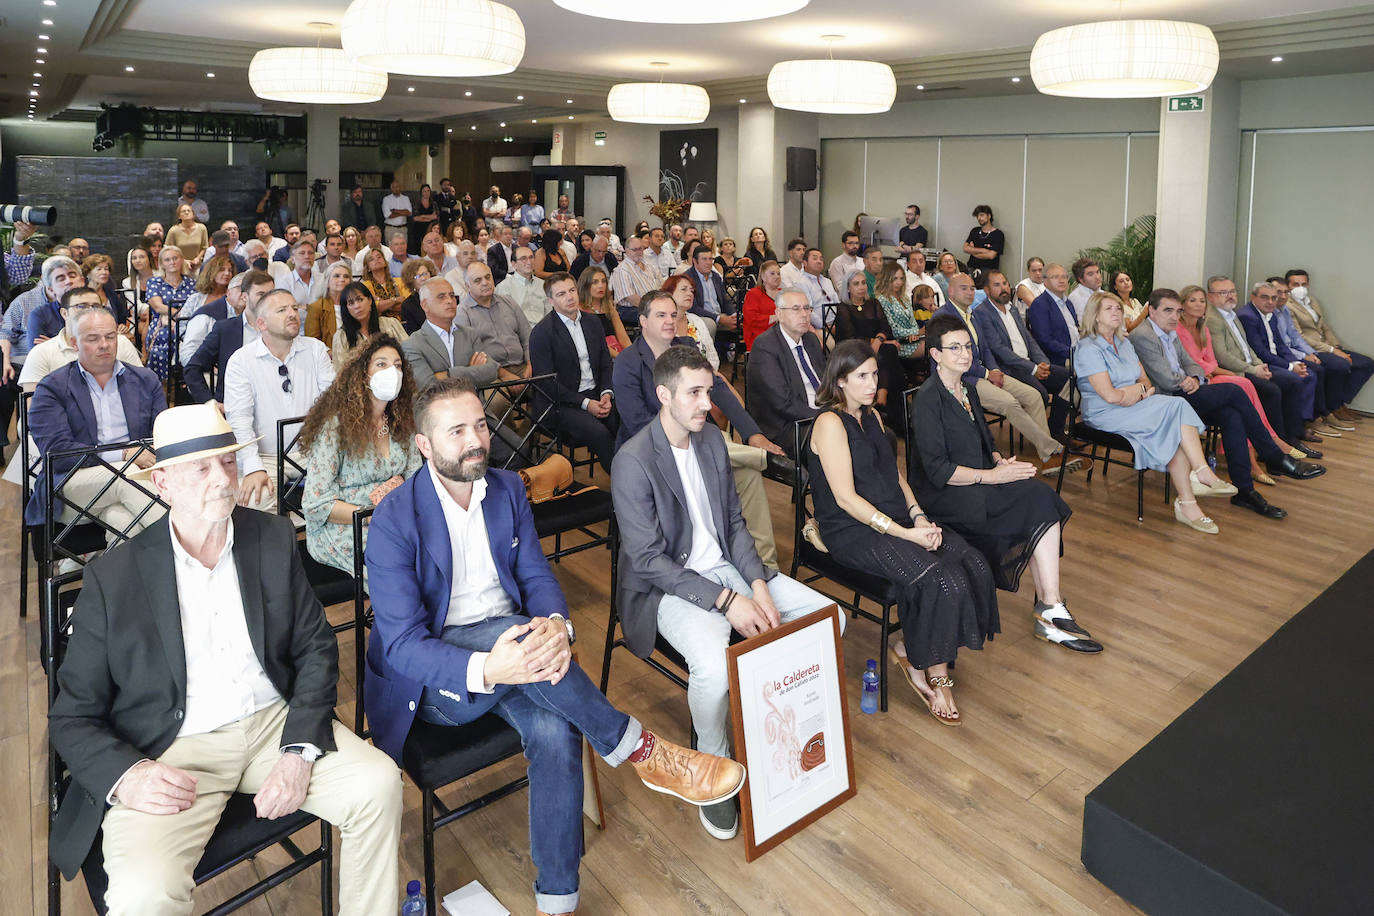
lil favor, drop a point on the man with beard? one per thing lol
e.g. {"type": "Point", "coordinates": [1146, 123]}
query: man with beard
{"type": "Point", "coordinates": [470, 620]}
{"type": "Point", "coordinates": [1015, 349]}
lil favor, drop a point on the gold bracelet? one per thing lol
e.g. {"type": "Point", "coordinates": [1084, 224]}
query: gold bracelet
{"type": "Point", "coordinates": [880, 523]}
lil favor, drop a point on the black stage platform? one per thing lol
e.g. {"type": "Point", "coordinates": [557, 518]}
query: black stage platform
{"type": "Point", "coordinates": [1260, 797]}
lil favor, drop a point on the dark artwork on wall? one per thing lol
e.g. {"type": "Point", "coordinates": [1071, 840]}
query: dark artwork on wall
{"type": "Point", "coordinates": [687, 163]}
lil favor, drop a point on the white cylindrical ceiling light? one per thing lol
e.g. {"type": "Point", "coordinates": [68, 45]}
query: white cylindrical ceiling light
{"type": "Point", "coordinates": [658, 103]}
{"type": "Point", "coordinates": [1126, 59]}
{"type": "Point", "coordinates": [830, 86]}
{"type": "Point", "coordinates": [434, 37]}
{"type": "Point", "coordinates": [689, 13]}
{"type": "Point", "coordinates": [324, 76]}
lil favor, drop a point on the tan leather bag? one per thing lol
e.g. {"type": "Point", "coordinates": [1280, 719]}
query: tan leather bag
{"type": "Point", "coordinates": [547, 479]}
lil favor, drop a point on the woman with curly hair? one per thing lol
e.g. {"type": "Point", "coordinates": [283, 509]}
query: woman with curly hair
{"type": "Point", "coordinates": [359, 322]}
{"type": "Point", "coordinates": [359, 441]}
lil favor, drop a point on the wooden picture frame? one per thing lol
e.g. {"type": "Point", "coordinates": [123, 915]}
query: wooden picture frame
{"type": "Point", "coordinates": [791, 726]}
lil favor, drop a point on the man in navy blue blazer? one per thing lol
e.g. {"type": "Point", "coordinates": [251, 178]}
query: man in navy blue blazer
{"type": "Point", "coordinates": [96, 400]}
{"type": "Point", "coordinates": [709, 300]}
{"type": "Point", "coordinates": [225, 339]}
{"type": "Point", "coordinates": [1262, 332]}
{"type": "Point", "coordinates": [470, 620]}
{"type": "Point", "coordinates": [1053, 319]}
{"type": "Point", "coordinates": [572, 346]}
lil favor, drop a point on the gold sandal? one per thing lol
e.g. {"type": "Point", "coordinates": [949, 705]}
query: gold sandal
{"type": "Point", "coordinates": [936, 681]}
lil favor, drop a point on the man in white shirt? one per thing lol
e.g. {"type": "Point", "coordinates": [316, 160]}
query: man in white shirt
{"type": "Point", "coordinates": [633, 278]}
{"type": "Point", "coordinates": [916, 276]}
{"type": "Point", "coordinates": [523, 288]}
{"type": "Point", "coordinates": [262, 231]}
{"type": "Point", "coordinates": [848, 260]}
{"type": "Point", "coordinates": [235, 245]}
{"type": "Point", "coordinates": [372, 241]}
{"type": "Point", "coordinates": [300, 281]}
{"type": "Point", "coordinates": [458, 276]}
{"type": "Point", "coordinates": [675, 241]}
{"type": "Point", "coordinates": [604, 229]}
{"type": "Point", "coordinates": [495, 206]}
{"type": "Point", "coordinates": [569, 245]}
{"type": "Point", "coordinates": [659, 255]}
{"type": "Point", "coordinates": [1088, 274]}
{"type": "Point", "coordinates": [333, 254]}
{"type": "Point", "coordinates": [198, 205]}
{"type": "Point", "coordinates": [817, 287]}
{"type": "Point", "coordinates": [796, 264]}
{"type": "Point", "coordinates": [279, 375]}
{"type": "Point", "coordinates": [396, 207]}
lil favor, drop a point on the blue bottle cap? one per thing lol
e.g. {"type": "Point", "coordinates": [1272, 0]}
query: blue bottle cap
{"type": "Point", "coordinates": [412, 887]}
{"type": "Point", "coordinates": [872, 663]}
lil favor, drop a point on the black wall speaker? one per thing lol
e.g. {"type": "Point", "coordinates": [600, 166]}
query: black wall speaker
{"type": "Point", "coordinates": [801, 168]}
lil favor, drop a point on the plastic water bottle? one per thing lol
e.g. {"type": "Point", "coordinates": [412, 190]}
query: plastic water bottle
{"type": "Point", "coordinates": [868, 701]}
{"type": "Point", "coordinates": [414, 904]}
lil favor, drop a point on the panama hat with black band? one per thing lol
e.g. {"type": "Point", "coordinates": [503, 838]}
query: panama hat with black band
{"type": "Point", "coordinates": [189, 433]}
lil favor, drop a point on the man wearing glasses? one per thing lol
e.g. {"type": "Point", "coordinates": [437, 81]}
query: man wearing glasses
{"type": "Point", "coordinates": [280, 375]}
{"type": "Point", "coordinates": [523, 288]}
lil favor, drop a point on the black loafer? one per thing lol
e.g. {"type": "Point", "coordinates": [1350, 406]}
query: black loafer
{"type": "Point", "coordinates": [1288, 466]}
{"type": "Point", "coordinates": [1067, 640]}
{"type": "Point", "coordinates": [1249, 499]}
{"type": "Point", "coordinates": [780, 467]}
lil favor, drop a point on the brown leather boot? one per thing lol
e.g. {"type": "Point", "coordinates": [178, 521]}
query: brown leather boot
{"type": "Point", "coordinates": [694, 777]}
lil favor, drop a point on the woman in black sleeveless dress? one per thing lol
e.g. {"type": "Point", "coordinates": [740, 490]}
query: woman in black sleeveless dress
{"type": "Point", "coordinates": [869, 520]}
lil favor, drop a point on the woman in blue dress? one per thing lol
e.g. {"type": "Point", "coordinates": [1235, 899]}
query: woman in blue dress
{"type": "Point", "coordinates": [166, 295]}
{"type": "Point", "coordinates": [1117, 398]}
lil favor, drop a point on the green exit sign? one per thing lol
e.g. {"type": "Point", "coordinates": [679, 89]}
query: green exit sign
{"type": "Point", "coordinates": [1185, 103]}
{"type": "Point", "coordinates": [599, 135]}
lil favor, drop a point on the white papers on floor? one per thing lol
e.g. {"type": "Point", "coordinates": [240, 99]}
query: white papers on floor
{"type": "Point", "coordinates": [472, 899]}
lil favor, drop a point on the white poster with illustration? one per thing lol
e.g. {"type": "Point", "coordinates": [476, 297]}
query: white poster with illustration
{"type": "Point", "coordinates": [791, 727]}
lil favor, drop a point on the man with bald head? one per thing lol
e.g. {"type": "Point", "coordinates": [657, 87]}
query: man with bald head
{"type": "Point", "coordinates": [1022, 405]}
{"type": "Point", "coordinates": [499, 320]}
{"type": "Point", "coordinates": [443, 348]}
{"type": "Point", "coordinates": [458, 276]}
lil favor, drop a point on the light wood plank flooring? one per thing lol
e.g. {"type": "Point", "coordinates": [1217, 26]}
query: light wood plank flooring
{"type": "Point", "coordinates": [981, 819]}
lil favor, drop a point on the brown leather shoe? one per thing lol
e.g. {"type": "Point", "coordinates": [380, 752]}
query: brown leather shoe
{"type": "Point", "coordinates": [1348, 415]}
{"type": "Point", "coordinates": [694, 777]}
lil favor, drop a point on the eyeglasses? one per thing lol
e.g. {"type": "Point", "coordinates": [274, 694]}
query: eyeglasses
{"type": "Point", "coordinates": [956, 349]}
{"type": "Point", "coordinates": [794, 308]}
{"type": "Point", "coordinates": [285, 378]}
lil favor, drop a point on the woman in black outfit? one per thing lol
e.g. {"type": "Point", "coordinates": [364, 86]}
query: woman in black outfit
{"type": "Point", "coordinates": [549, 259]}
{"type": "Point", "coordinates": [759, 250]}
{"type": "Point", "coordinates": [870, 520]}
{"type": "Point", "coordinates": [423, 219]}
{"type": "Point", "coordinates": [1009, 516]}
{"type": "Point", "coordinates": [861, 318]}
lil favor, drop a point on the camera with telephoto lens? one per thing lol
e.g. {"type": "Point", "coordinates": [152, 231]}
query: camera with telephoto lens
{"type": "Point", "coordinates": [18, 213]}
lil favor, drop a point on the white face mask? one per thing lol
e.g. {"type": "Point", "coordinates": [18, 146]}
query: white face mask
{"type": "Point", "coordinates": [1299, 293]}
{"type": "Point", "coordinates": [385, 383]}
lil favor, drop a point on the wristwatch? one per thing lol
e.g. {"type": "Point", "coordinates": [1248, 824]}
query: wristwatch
{"type": "Point", "coordinates": [308, 754]}
{"type": "Point", "coordinates": [567, 625]}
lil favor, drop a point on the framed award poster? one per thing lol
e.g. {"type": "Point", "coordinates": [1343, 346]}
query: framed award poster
{"type": "Point", "coordinates": [791, 721]}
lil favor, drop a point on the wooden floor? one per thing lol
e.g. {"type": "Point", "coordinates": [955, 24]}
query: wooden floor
{"type": "Point", "coordinates": [984, 818]}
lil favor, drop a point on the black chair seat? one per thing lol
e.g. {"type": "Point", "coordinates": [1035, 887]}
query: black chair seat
{"type": "Point", "coordinates": [577, 510]}
{"type": "Point", "coordinates": [870, 586]}
{"type": "Point", "coordinates": [85, 537]}
{"type": "Point", "coordinates": [1086, 433]}
{"type": "Point", "coordinates": [436, 755]}
{"type": "Point", "coordinates": [332, 586]}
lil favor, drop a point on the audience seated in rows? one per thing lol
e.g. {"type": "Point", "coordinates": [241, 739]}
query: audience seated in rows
{"type": "Point", "coordinates": [443, 348]}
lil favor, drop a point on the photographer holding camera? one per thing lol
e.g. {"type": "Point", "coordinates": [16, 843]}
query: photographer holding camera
{"type": "Point", "coordinates": [273, 210]}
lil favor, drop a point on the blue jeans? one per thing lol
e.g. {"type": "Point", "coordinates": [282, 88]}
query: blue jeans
{"type": "Point", "coordinates": [551, 720]}
{"type": "Point", "coordinates": [702, 637]}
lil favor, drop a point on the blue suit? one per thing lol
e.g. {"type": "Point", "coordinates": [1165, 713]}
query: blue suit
{"type": "Point", "coordinates": [62, 417]}
{"type": "Point", "coordinates": [1048, 326]}
{"type": "Point", "coordinates": [45, 321]}
{"type": "Point", "coordinates": [983, 360]}
{"type": "Point", "coordinates": [1278, 358]}
{"type": "Point", "coordinates": [224, 340]}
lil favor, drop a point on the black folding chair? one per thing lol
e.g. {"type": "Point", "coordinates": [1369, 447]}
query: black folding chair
{"type": "Point", "coordinates": [331, 586]}
{"type": "Point", "coordinates": [176, 372]}
{"type": "Point", "coordinates": [240, 834]}
{"type": "Point", "coordinates": [823, 566]}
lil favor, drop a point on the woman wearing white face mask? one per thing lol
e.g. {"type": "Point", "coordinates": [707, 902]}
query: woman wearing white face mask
{"type": "Point", "coordinates": [359, 441]}
{"type": "Point", "coordinates": [359, 322]}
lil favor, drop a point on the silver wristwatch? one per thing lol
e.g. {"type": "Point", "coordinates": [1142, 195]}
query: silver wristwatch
{"type": "Point", "coordinates": [567, 625]}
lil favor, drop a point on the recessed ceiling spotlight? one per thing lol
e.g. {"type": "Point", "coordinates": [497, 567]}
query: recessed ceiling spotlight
{"type": "Point", "coordinates": [1277, 59]}
{"type": "Point", "coordinates": [39, 60]}
{"type": "Point", "coordinates": [569, 101]}
{"type": "Point", "coordinates": [743, 101]}
{"type": "Point", "coordinates": [43, 37]}
{"type": "Point", "coordinates": [920, 86]}
{"type": "Point", "coordinates": [570, 117]}
{"type": "Point", "coordinates": [410, 89]}
{"type": "Point", "coordinates": [40, 50]}
{"type": "Point", "coordinates": [36, 73]}
{"type": "Point", "coordinates": [128, 69]}
{"type": "Point", "coordinates": [520, 98]}
{"type": "Point", "coordinates": [534, 120]}
{"type": "Point", "coordinates": [35, 85]}
{"type": "Point", "coordinates": [468, 93]}
{"type": "Point", "coordinates": [1016, 79]}
{"type": "Point", "coordinates": [474, 127]}
{"type": "Point", "coordinates": [450, 130]}
{"type": "Point", "coordinates": [209, 75]}
{"type": "Point", "coordinates": [503, 123]}
{"type": "Point", "coordinates": [47, 22]}
{"type": "Point", "coordinates": [50, 2]}
{"type": "Point", "coordinates": [33, 93]}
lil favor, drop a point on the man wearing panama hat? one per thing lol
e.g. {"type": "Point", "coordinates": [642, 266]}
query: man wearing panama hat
{"type": "Point", "coordinates": [200, 665]}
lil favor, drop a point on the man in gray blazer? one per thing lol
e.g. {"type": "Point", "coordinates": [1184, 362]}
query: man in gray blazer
{"type": "Point", "coordinates": [441, 348]}
{"type": "Point", "coordinates": [1173, 371]}
{"type": "Point", "coordinates": [1017, 353]}
{"type": "Point", "coordinates": [688, 565]}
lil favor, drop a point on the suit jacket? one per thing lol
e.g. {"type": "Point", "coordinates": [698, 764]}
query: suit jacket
{"type": "Point", "coordinates": [1276, 357]}
{"type": "Point", "coordinates": [62, 416]}
{"type": "Point", "coordinates": [121, 692]}
{"type": "Point", "coordinates": [410, 571]}
{"type": "Point", "coordinates": [983, 360]}
{"type": "Point", "coordinates": [949, 438]}
{"type": "Point", "coordinates": [584, 260]}
{"type": "Point", "coordinates": [552, 351]}
{"type": "Point", "coordinates": [223, 341]}
{"type": "Point", "coordinates": [1228, 352]}
{"type": "Point", "coordinates": [1317, 333]}
{"type": "Point", "coordinates": [1150, 350]}
{"type": "Point", "coordinates": [656, 530]}
{"type": "Point", "coordinates": [425, 352]}
{"type": "Point", "coordinates": [777, 392]}
{"type": "Point", "coordinates": [636, 396]}
{"type": "Point", "coordinates": [699, 303]}
{"type": "Point", "coordinates": [993, 331]}
{"type": "Point", "coordinates": [496, 260]}
{"type": "Point", "coordinates": [1048, 326]}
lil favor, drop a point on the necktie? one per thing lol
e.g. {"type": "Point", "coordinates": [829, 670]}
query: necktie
{"type": "Point", "coordinates": [1072, 311]}
{"type": "Point", "coordinates": [806, 368]}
